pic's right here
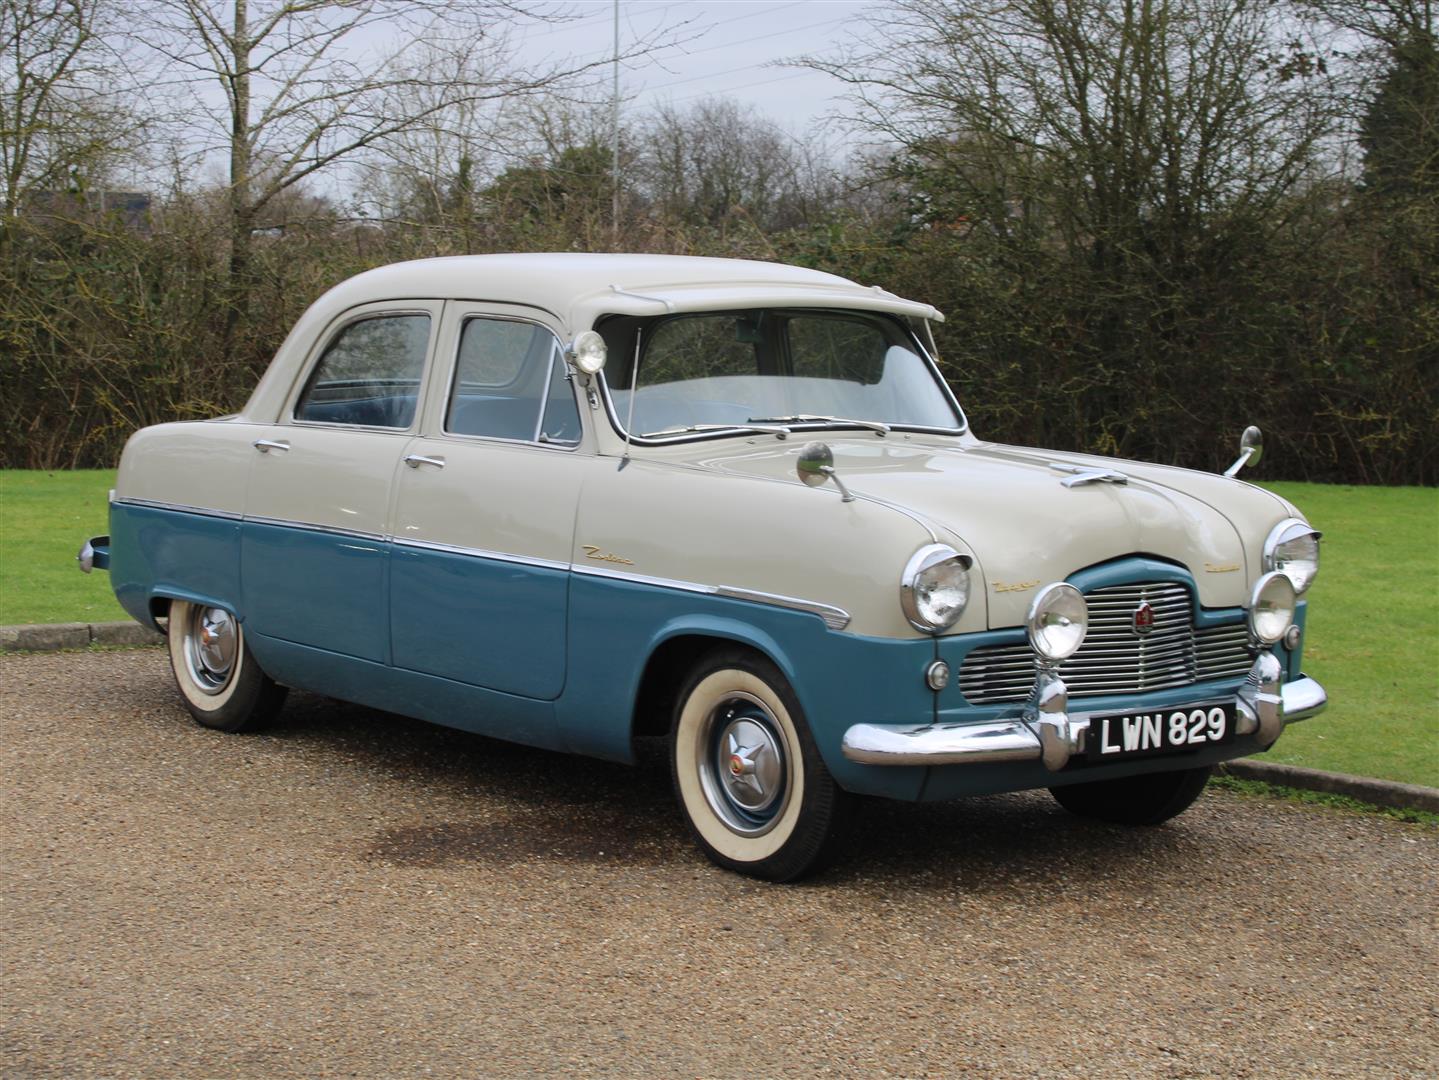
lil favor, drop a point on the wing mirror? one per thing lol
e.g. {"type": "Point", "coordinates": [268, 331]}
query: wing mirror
{"type": "Point", "coordinates": [816, 465]}
{"type": "Point", "coordinates": [1251, 449]}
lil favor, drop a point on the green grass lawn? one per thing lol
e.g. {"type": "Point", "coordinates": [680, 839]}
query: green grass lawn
{"type": "Point", "coordinates": [1371, 639]}
{"type": "Point", "coordinates": [44, 518]}
{"type": "Point", "coordinates": [1373, 633]}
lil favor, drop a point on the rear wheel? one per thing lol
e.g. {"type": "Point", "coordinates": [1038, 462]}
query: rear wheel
{"type": "Point", "coordinates": [1135, 800]}
{"type": "Point", "coordinates": [222, 686]}
{"type": "Point", "coordinates": [747, 773]}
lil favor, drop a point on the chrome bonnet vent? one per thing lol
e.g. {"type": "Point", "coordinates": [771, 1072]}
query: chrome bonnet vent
{"type": "Point", "coordinates": [1141, 637]}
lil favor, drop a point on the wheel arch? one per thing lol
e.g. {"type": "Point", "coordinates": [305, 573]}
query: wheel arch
{"type": "Point", "coordinates": [673, 654]}
{"type": "Point", "coordinates": [161, 597]}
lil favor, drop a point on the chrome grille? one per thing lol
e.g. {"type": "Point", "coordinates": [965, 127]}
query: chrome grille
{"type": "Point", "coordinates": [1114, 659]}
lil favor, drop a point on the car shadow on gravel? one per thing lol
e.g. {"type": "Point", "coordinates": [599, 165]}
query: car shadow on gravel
{"type": "Point", "coordinates": [531, 804]}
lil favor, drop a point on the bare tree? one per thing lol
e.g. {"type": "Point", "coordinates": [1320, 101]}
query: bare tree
{"type": "Point", "coordinates": [716, 161]}
{"type": "Point", "coordinates": [60, 115]}
{"type": "Point", "coordinates": [304, 89]}
{"type": "Point", "coordinates": [1120, 125]}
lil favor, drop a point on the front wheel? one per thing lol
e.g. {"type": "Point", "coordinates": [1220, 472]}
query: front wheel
{"type": "Point", "coordinates": [747, 773]}
{"type": "Point", "coordinates": [222, 685]}
{"type": "Point", "coordinates": [1135, 800]}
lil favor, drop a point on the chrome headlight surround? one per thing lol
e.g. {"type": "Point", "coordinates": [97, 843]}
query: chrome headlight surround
{"type": "Point", "coordinates": [1057, 621]}
{"type": "Point", "coordinates": [1292, 548]}
{"type": "Point", "coordinates": [934, 589]}
{"type": "Point", "coordinates": [1271, 607]}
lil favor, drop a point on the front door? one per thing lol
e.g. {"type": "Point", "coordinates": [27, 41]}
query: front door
{"type": "Point", "coordinates": [484, 513]}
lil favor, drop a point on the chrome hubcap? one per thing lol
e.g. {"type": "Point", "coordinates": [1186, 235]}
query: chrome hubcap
{"type": "Point", "coordinates": [211, 644]}
{"type": "Point", "coordinates": [745, 771]}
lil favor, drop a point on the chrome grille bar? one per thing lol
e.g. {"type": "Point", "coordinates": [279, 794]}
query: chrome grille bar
{"type": "Point", "coordinates": [1114, 659]}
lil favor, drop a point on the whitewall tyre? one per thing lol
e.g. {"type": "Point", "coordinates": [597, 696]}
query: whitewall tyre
{"type": "Point", "coordinates": [221, 685]}
{"type": "Point", "coordinates": [747, 773]}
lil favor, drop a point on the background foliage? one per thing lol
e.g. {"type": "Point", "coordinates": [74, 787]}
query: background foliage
{"type": "Point", "coordinates": [1148, 224]}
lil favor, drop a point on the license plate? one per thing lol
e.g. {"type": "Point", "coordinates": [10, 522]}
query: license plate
{"type": "Point", "coordinates": [1118, 736]}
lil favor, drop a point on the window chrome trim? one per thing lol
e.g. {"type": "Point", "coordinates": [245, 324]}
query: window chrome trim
{"type": "Point", "coordinates": [836, 618]}
{"type": "Point", "coordinates": [297, 390]}
{"type": "Point", "coordinates": [181, 508]}
{"type": "Point", "coordinates": [454, 371]}
{"type": "Point", "coordinates": [798, 426]}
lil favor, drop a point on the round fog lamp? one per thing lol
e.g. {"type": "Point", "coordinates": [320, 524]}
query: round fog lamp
{"type": "Point", "coordinates": [1057, 622]}
{"type": "Point", "coordinates": [1271, 607]}
{"type": "Point", "coordinates": [588, 352]}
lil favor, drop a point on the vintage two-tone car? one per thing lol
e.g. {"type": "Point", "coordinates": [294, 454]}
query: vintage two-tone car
{"type": "Point", "coordinates": [580, 500]}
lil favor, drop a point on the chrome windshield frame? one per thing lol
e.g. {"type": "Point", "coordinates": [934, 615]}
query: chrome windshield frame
{"type": "Point", "coordinates": [799, 428]}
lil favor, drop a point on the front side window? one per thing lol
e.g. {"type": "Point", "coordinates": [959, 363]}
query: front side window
{"type": "Point", "coordinates": [796, 368]}
{"type": "Point", "coordinates": [369, 375]}
{"type": "Point", "coordinates": [506, 386]}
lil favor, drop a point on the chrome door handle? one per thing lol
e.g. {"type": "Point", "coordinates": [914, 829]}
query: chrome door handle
{"type": "Point", "coordinates": [414, 461]}
{"type": "Point", "coordinates": [266, 445]}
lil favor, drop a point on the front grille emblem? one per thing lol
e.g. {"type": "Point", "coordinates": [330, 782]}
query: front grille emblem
{"type": "Point", "coordinates": [1143, 618]}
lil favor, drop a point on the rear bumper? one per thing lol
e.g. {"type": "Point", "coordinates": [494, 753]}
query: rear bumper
{"type": "Point", "coordinates": [1263, 708]}
{"type": "Point", "coordinates": [95, 555]}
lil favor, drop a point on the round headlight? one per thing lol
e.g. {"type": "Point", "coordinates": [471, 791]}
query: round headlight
{"type": "Point", "coordinates": [1271, 607]}
{"type": "Point", "coordinates": [588, 352]}
{"type": "Point", "coordinates": [1058, 620]}
{"type": "Point", "coordinates": [935, 587]}
{"type": "Point", "coordinates": [1292, 548]}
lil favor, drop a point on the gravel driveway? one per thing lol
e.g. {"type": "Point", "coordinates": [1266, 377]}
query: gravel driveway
{"type": "Point", "coordinates": [354, 894]}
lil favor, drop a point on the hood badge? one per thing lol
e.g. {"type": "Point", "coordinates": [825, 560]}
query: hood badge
{"type": "Point", "coordinates": [1226, 568]}
{"type": "Point", "coordinates": [1016, 586]}
{"type": "Point", "coordinates": [1143, 619]}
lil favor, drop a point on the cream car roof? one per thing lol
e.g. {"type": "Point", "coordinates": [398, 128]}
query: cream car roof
{"type": "Point", "coordinates": [575, 289]}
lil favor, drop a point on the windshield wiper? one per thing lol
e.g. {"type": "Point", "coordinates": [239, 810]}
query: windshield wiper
{"type": "Point", "coordinates": [765, 428]}
{"type": "Point", "coordinates": [811, 418]}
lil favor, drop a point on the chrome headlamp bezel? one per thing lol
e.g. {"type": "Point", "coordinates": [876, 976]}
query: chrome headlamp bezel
{"type": "Point", "coordinates": [914, 600]}
{"type": "Point", "coordinates": [1291, 533]}
{"type": "Point", "coordinates": [1049, 624]}
{"type": "Point", "coordinates": [1271, 607]}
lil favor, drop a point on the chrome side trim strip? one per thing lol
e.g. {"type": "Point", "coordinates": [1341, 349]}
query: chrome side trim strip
{"type": "Point", "coordinates": [182, 508]}
{"type": "Point", "coordinates": [332, 530]}
{"type": "Point", "coordinates": [645, 579]}
{"type": "Point", "coordinates": [479, 553]}
{"type": "Point", "coordinates": [834, 617]}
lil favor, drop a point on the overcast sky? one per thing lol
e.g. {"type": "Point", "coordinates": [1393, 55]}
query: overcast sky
{"type": "Point", "coordinates": [732, 48]}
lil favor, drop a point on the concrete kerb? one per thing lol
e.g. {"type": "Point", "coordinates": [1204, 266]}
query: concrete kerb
{"type": "Point", "coordinates": [56, 636]}
{"type": "Point", "coordinates": [1377, 792]}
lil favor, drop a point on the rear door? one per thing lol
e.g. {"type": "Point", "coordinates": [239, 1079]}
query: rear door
{"type": "Point", "coordinates": [484, 510]}
{"type": "Point", "coordinates": [314, 554]}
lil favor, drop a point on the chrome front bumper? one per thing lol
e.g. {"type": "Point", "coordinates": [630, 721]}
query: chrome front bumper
{"type": "Point", "coordinates": [1048, 732]}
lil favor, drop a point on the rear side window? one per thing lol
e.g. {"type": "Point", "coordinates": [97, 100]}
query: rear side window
{"type": "Point", "coordinates": [370, 374]}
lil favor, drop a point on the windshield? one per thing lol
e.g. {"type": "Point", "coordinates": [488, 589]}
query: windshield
{"type": "Point", "coordinates": [771, 369]}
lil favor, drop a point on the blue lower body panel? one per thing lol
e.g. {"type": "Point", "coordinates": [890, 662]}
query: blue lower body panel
{"type": "Point", "coordinates": [409, 693]}
{"type": "Point", "coordinates": [163, 553]}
